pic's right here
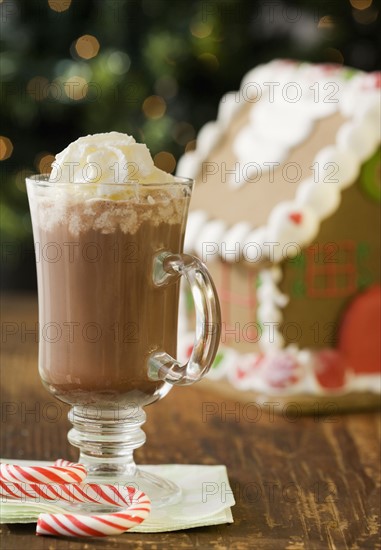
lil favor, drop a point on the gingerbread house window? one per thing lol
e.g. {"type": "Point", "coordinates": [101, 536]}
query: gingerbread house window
{"type": "Point", "coordinates": [238, 302]}
{"type": "Point", "coordinates": [331, 270]}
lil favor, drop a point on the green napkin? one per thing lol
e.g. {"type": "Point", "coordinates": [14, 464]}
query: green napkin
{"type": "Point", "coordinates": [206, 499]}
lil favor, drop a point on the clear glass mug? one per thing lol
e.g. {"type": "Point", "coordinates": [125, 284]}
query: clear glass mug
{"type": "Point", "coordinates": [109, 262]}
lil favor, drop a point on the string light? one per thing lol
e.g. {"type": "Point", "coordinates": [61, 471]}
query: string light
{"type": "Point", "coordinates": [365, 17]}
{"type": "Point", "coordinates": [76, 88]}
{"type": "Point", "coordinates": [334, 55]}
{"type": "Point", "coordinates": [118, 62]}
{"type": "Point", "coordinates": [43, 162]}
{"type": "Point", "coordinates": [190, 146]}
{"type": "Point", "coordinates": [20, 178]}
{"type": "Point", "coordinates": [59, 5]}
{"type": "Point", "coordinates": [166, 86]}
{"type": "Point", "coordinates": [154, 107]}
{"type": "Point", "coordinates": [38, 88]}
{"type": "Point", "coordinates": [326, 22]}
{"type": "Point", "coordinates": [6, 148]}
{"type": "Point", "coordinates": [165, 161]}
{"type": "Point", "coordinates": [199, 29]}
{"type": "Point", "coordinates": [183, 133]}
{"type": "Point", "coordinates": [360, 4]}
{"type": "Point", "coordinates": [87, 46]}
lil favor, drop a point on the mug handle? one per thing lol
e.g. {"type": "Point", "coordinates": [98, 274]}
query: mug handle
{"type": "Point", "coordinates": [167, 269]}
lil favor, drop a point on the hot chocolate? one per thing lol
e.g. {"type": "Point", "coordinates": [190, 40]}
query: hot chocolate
{"type": "Point", "coordinates": [101, 315]}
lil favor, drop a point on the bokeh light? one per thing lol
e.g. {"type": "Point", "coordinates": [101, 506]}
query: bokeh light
{"type": "Point", "coordinates": [87, 46]}
{"type": "Point", "coordinates": [38, 88]}
{"type": "Point", "coordinates": [59, 5]}
{"type": "Point", "coordinates": [326, 22]}
{"type": "Point", "coordinates": [118, 62]}
{"type": "Point", "coordinates": [165, 161]}
{"type": "Point", "coordinates": [8, 66]}
{"type": "Point", "coordinates": [154, 107]}
{"type": "Point", "coordinates": [333, 55]}
{"type": "Point", "coordinates": [6, 148]}
{"type": "Point", "coordinates": [200, 29]}
{"type": "Point", "coordinates": [76, 88]}
{"type": "Point", "coordinates": [365, 17]}
{"type": "Point", "coordinates": [43, 162]}
{"type": "Point", "coordinates": [19, 179]}
{"type": "Point", "coordinates": [361, 4]}
{"type": "Point", "coordinates": [191, 145]}
{"type": "Point", "coordinates": [183, 132]}
{"type": "Point", "coordinates": [166, 86]}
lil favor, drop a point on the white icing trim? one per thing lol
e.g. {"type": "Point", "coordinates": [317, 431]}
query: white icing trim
{"type": "Point", "coordinates": [253, 248]}
{"type": "Point", "coordinates": [196, 221]}
{"type": "Point", "coordinates": [208, 243]}
{"type": "Point", "coordinates": [230, 357]}
{"type": "Point", "coordinates": [336, 166]}
{"type": "Point", "coordinates": [227, 108]}
{"type": "Point", "coordinates": [232, 247]}
{"type": "Point", "coordinates": [323, 198]}
{"type": "Point", "coordinates": [269, 314]}
{"type": "Point", "coordinates": [189, 165]}
{"type": "Point", "coordinates": [290, 227]}
{"type": "Point", "coordinates": [360, 137]}
{"type": "Point", "coordinates": [207, 138]}
{"type": "Point", "coordinates": [261, 373]}
{"type": "Point", "coordinates": [366, 382]}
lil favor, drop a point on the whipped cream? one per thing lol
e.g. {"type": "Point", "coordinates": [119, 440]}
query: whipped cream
{"type": "Point", "coordinates": [106, 158]}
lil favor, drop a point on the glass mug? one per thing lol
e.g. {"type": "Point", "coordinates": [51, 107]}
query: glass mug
{"type": "Point", "coordinates": [109, 262]}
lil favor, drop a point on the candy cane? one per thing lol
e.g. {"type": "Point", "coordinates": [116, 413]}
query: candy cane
{"type": "Point", "coordinates": [83, 493]}
{"type": "Point", "coordinates": [63, 482]}
{"type": "Point", "coordinates": [75, 473]}
{"type": "Point", "coordinates": [100, 525]}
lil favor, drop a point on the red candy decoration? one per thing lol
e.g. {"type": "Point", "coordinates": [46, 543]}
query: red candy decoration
{"type": "Point", "coordinates": [360, 332]}
{"type": "Point", "coordinates": [246, 369]}
{"type": "Point", "coordinates": [296, 217]}
{"type": "Point", "coordinates": [281, 370]}
{"type": "Point", "coordinates": [331, 369]}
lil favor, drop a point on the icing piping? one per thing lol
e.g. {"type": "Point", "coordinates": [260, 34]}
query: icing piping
{"type": "Point", "coordinates": [338, 164]}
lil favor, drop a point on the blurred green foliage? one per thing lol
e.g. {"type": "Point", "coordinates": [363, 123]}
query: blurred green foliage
{"type": "Point", "coordinates": [187, 52]}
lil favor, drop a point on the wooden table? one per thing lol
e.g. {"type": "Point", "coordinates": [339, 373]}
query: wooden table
{"type": "Point", "coordinates": [300, 483]}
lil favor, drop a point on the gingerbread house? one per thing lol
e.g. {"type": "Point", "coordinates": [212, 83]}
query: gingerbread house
{"type": "Point", "coordinates": [286, 215]}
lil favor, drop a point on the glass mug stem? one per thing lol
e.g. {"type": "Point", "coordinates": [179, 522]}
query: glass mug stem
{"type": "Point", "coordinates": [107, 441]}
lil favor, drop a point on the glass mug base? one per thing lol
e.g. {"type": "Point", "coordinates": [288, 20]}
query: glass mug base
{"type": "Point", "coordinates": [106, 446]}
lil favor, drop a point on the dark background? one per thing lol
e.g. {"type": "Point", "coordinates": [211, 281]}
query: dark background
{"type": "Point", "coordinates": [152, 68]}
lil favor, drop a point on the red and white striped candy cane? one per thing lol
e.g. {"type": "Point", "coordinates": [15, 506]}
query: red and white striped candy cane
{"type": "Point", "coordinates": [62, 463]}
{"type": "Point", "coordinates": [83, 493]}
{"type": "Point", "coordinates": [101, 525]}
{"type": "Point", "coordinates": [73, 473]}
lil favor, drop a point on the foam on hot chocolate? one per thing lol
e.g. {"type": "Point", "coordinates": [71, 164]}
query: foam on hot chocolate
{"type": "Point", "coordinates": [108, 215]}
{"type": "Point", "coordinates": [106, 182]}
{"type": "Point", "coordinates": [106, 158]}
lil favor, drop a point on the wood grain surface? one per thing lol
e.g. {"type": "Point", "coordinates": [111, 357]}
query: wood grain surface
{"type": "Point", "coordinates": [300, 482]}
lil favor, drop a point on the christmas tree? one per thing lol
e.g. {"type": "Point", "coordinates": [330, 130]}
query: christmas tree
{"type": "Point", "coordinates": [151, 68]}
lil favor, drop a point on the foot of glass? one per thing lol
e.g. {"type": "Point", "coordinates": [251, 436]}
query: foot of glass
{"type": "Point", "coordinates": [106, 446]}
